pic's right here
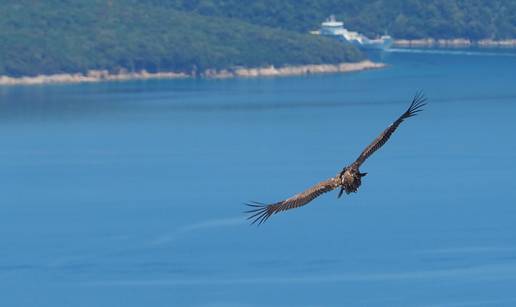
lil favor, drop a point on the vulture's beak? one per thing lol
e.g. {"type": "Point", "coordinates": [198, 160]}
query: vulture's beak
{"type": "Point", "coordinates": [340, 193]}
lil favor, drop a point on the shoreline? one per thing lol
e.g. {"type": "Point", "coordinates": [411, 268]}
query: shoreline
{"type": "Point", "coordinates": [454, 43]}
{"type": "Point", "coordinates": [93, 76]}
{"type": "Point", "coordinates": [296, 70]}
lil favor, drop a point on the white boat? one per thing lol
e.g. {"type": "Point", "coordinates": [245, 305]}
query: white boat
{"type": "Point", "coordinates": [333, 28]}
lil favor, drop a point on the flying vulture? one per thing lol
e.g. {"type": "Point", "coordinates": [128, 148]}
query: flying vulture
{"type": "Point", "coordinates": [348, 180]}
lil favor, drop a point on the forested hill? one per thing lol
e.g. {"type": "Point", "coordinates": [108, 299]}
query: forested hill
{"type": "Point", "coordinates": [410, 19]}
{"type": "Point", "coordinates": [51, 36]}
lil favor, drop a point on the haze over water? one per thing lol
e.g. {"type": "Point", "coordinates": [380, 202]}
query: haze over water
{"type": "Point", "coordinates": [130, 194]}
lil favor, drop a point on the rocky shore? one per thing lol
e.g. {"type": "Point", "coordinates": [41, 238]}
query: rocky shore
{"type": "Point", "coordinates": [90, 76]}
{"type": "Point", "coordinates": [455, 43]}
{"type": "Point", "coordinates": [271, 71]}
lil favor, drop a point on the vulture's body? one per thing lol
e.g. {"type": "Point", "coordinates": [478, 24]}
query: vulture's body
{"type": "Point", "coordinates": [348, 180]}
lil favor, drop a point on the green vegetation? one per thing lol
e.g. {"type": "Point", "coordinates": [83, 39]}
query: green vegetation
{"type": "Point", "coordinates": [51, 36]}
{"type": "Point", "coordinates": [473, 19]}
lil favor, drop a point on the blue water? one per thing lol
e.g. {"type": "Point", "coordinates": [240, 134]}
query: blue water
{"type": "Point", "coordinates": [130, 194]}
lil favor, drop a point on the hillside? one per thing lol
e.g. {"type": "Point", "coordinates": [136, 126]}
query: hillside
{"type": "Point", "coordinates": [408, 19]}
{"type": "Point", "coordinates": [47, 37]}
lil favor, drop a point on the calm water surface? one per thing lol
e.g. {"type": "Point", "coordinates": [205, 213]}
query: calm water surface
{"type": "Point", "coordinates": [130, 194]}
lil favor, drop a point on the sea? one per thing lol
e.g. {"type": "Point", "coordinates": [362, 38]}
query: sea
{"type": "Point", "coordinates": [132, 193]}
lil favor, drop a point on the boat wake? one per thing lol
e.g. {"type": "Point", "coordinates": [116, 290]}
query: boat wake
{"type": "Point", "coordinates": [209, 224]}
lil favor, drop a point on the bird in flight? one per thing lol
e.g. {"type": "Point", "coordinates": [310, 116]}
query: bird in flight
{"type": "Point", "coordinates": [348, 180]}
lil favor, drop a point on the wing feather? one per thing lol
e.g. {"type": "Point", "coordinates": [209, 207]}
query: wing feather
{"type": "Point", "coordinates": [261, 212]}
{"type": "Point", "coordinates": [415, 107]}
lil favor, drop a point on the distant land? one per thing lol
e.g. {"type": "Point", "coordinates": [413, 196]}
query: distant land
{"type": "Point", "coordinates": [120, 39]}
{"type": "Point", "coordinates": [270, 71]}
{"type": "Point", "coordinates": [402, 19]}
{"type": "Point", "coordinates": [56, 37]}
{"type": "Point", "coordinates": [455, 43]}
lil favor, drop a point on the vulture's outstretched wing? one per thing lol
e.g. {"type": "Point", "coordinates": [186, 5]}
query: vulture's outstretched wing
{"type": "Point", "coordinates": [417, 103]}
{"type": "Point", "coordinates": [261, 212]}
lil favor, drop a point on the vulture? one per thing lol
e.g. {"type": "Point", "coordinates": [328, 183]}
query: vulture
{"type": "Point", "coordinates": [348, 180]}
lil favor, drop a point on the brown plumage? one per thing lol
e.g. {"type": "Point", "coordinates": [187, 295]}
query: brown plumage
{"type": "Point", "coordinates": [349, 179]}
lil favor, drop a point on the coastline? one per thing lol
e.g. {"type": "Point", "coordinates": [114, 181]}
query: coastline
{"type": "Point", "coordinates": [454, 43]}
{"type": "Point", "coordinates": [296, 70]}
{"type": "Point", "coordinates": [89, 77]}
{"type": "Point", "coordinates": [240, 72]}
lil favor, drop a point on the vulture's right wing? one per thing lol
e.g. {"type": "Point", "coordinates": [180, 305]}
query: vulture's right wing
{"type": "Point", "coordinates": [261, 212]}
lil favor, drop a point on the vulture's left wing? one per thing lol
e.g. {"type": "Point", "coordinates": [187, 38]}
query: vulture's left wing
{"type": "Point", "coordinates": [415, 107]}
